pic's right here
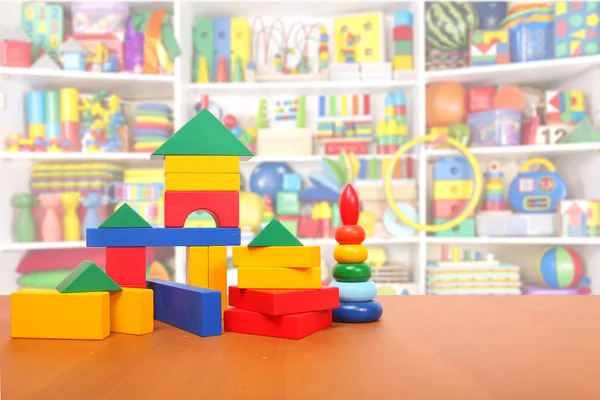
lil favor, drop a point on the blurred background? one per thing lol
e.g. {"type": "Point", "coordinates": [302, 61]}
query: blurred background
{"type": "Point", "coordinates": [324, 93]}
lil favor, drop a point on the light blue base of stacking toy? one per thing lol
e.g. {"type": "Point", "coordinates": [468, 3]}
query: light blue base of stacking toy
{"type": "Point", "coordinates": [358, 312]}
{"type": "Point", "coordinates": [356, 291]}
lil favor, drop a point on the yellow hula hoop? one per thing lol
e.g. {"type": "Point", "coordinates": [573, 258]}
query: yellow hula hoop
{"type": "Point", "coordinates": [475, 195]}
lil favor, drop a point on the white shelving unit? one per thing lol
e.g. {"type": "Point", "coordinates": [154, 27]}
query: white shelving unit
{"type": "Point", "coordinates": [578, 162]}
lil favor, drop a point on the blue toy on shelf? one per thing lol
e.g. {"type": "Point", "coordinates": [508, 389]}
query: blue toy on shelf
{"type": "Point", "coordinates": [537, 191]}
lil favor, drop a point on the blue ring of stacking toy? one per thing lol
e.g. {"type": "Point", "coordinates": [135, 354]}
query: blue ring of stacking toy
{"type": "Point", "coordinates": [154, 107]}
{"type": "Point", "coordinates": [356, 291]}
{"type": "Point", "coordinates": [358, 312]}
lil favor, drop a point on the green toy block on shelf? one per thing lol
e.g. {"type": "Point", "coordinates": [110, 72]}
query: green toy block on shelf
{"type": "Point", "coordinates": [464, 229]}
{"type": "Point", "coordinates": [87, 277]}
{"type": "Point", "coordinates": [288, 203]}
{"type": "Point", "coordinates": [125, 217]}
{"type": "Point", "coordinates": [291, 225]}
{"type": "Point", "coordinates": [204, 135]}
{"type": "Point", "coordinates": [275, 234]}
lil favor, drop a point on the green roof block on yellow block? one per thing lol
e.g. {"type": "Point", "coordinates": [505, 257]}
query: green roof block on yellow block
{"type": "Point", "coordinates": [125, 217]}
{"type": "Point", "coordinates": [204, 135]}
{"type": "Point", "coordinates": [87, 277]}
{"type": "Point", "coordinates": [274, 234]}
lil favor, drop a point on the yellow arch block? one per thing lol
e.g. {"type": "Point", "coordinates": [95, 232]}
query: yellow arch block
{"type": "Point", "coordinates": [202, 182]}
{"type": "Point", "coordinates": [277, 256]}
{"type": "Point", "coordinates": [202, 164]}
{"type": "Point", "coordinates": [279, 278]}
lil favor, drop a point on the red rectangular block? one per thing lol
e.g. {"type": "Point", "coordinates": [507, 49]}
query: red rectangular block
{"type": "Point", "coordinates": [293, 326]}
{"type": "Point", "coordinates": [403, 33]}
{"type": "Point", "coordinates": [282, 302]}
{"type": "Point", "coordinates": [127, 266]}
{"type": "Point", "coordinates": [481, 98]}
{"type": "Point", "coordinates": [449, 208]}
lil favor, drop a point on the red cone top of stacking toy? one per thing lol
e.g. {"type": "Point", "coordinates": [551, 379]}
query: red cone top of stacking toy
{"type": "Point", "coordinates": [349, 205]}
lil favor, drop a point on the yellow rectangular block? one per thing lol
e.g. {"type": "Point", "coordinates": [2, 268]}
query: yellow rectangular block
{"type": "Point", "coordinates": [202, 165]}
{"type": "Point", "coordinates": [277, 256]}
{"type": "Point", "coordinates": [452, 190]}
{"type": "Point", "coordinates": [402, 62]}
{"type": "Point", "coordinates": [279, 278]}
{"type": "Point", "coordinates": [54, 315]}
{"type": "Point", "coordinates": [241, 39]}
{"type": "Point", "coordinates": [132, 311]}
{"type": "Point", "coordinates": [202, 182]}
{"type": "Point", "coordinates": [197, 266]}
{"type": "Point", "coordinates": [217, 272]}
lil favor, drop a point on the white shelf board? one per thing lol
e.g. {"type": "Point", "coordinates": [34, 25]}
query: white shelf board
{"type": "Point", "coordinates": [307, 87]}
{"type": "Point", "coordinates": [548, 149]}
{"type": "Point", "coordinates": [41, 246]}
{"type": "Point", "coordinates": [549, 241]}
{"type": "Point", "coordinates": [527, 73]}
{"type": "Point", "coordinates": [128, 86]}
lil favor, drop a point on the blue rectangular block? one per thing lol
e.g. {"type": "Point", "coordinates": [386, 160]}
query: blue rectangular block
{"type": "Point", "coordinates": [452, 169]}
{"type": "Point", "coordinates": [292, 182]}
{"type": "Point", "coordinates": [190, 308]}
{"type": "Point", "coordinates": [153, 237]}
{"type": "Point", "coordinates": [222, 44]}
{"type": "Point", "coordinates": [502, 48]}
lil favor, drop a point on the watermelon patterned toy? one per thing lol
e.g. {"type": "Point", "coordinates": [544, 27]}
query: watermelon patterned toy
{"type": "Point", "coordinates": [448, 23]}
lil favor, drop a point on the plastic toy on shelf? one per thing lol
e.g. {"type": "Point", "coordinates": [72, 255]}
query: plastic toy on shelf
{"type": "Point", "coordinates": [561, 270]}
{"type": "Point", "coordinates": [392, 132]}
{"type": "Point", "coordinates": [403, 41]}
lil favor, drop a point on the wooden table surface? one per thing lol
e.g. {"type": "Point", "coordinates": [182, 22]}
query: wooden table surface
{"type": "Point", "coordinates": [425, 347]}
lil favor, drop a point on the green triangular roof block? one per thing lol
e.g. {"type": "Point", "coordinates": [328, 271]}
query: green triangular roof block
{"type": "Point", "coordinates": [87, 277]}
{"type": "Point", "coordinates": [274, 234]}
{"type": "Point", "coordinates": [584, 132]}
{"type": "Point", "coordinates": [125, 217]}
{"type": "Point", "coordinates": [204, 135]}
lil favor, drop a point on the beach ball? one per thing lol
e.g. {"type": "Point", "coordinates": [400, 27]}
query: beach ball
{"type": "Point", "coordinates": [267, 179]}
{"type": "Point", "coordinates": [560, 267]}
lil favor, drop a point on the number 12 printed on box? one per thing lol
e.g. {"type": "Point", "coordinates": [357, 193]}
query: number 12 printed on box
{"type": "Point", "coordinates": [44, 24]}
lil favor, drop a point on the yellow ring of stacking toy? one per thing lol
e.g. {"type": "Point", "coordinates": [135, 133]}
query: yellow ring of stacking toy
{"type": "Point", "coordinates": [475, 195]}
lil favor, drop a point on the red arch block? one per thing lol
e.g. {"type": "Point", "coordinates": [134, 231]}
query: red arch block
{"type": "Point", "coordinates": [224, 207]}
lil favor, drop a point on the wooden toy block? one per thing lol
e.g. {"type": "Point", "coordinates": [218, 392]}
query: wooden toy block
{"type": "Point", "coordinates": [217, 272]}
{"type": "Point", "coordinates": [125, 217]}
{"type": "Point", "coordinates": [132, 311]}
{"type": "Point", "coordinates": [202, 182]}
{"type": "Point", "coordinates": [202, 165]}
{"type": "Point", "coordinates": [224, 207]}
{"type": "Point", "coordinates": [127, 266]}
{"type": "Point", "coordinates": [564, 106]}
{"type": "Point", "coordinates": [274, 234]}
{"type": "Point", "coordinates": [189, 308]}
{"type": "Point", "coordinates": [576, 28]}
{"type": "Point", "coordinates": [452, 190]}
{"type": "Point", "coordinates": [277, 257]}
{"type": "Point", "coordinates": [203, 43]}
{"type": "Point", "coordinates": [54, 315]}
{"type": "Point", "coordinates": [464, 229]}
{"type": "Point", "coordinates": [400, 191]}
{"type": "Point", "coordinates": [401, 33]}
{"type": "Point", "coordinates": [222, 43]}
{"type": "Point", "coordinates": [279, 278]}
{"type": "Point", "coordinates": [197, 266]}
{"type": "Point", "coordinates": [489, 47]}
{"type": "Point", "coordinates": [241, 39]}
{"type": "Point", "coordinates": [154, 237]}
{"type": "Point", "coordinates": [403, 48]}
{"type": "Point", "coordinates": [291, 142]}
{"type": "Point", "coordinates": [481, 98]}
{"type": "Point", "coordinates": [448, 209]}
{"type": "Point", "coordinates": [283, 302]}
{"type": "Point", "coordinates": [87, 277]}
{"type": "Point", "coordinates": [369, 27]}
{"type": "Point", "coordinates": [204, 135]}
{"type": "Point", "coordinates": [402, 62]}
{"type": "Point", "coordinates": [452, 169]}
{"type": "Point", "coordinates": [288, 203]}
{"type": "Point", "coordinates": [294, 326]}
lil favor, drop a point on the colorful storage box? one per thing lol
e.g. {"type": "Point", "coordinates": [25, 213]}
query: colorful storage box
{"type": "Point", "coordinates": [500, 127]}
{"type": "Point", "coordinates": [576, 28]}
{"type": "Point", "coordinates": [531, 41]}
{"type": "Point", "coordinates": [100, 18]}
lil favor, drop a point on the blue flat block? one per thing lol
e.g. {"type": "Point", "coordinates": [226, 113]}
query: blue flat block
{"type": "Point", "coordinates": [502, 48]}
{"type": "Point", "coordinates": [452, 169]}
{"type": "Point", "coordinates": [358, 313]}
{"type": "Point", "coordinates": [189, 308]}
{"type": "Point", "coordinates": [356, 291]}
{"type": "Point", "coordinates": [144, 237]}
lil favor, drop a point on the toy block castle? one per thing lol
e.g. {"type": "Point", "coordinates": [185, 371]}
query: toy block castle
{"type": "Point", "coordinates": [279, 290]}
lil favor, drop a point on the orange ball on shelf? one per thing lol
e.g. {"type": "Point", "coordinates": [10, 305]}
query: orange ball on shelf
{"type": "Point", "coordinates": [350, 234]}
{"type": "Point", "coordinates": [446, 103]}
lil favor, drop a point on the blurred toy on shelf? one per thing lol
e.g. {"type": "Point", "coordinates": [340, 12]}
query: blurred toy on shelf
{"type": "Point", "coordinates": [16, 49]}
{"type": "Point", "coordinates": [471, 274]}
{"type": "Point", "coordinates": [73, 55]}
{"type": "Point", "coordinates": [46, 62]}
{"type": "Point", "coordinates": [345, 123]}
{"type": "Point", "coordinates": [578, 218]}
{"type": "Point", "coordinates": [25, 228]}
{"type": "Point", "coordinates": [576, 28]}
{"type": "Point", "coordinates": [392, 132]}
{"type": "Point", "coordinates": [103, 127]}
{"type": "Point", "coordinates": [402, 36]}
{"type": "Point", "coordinates": [583, 132]}
{"type": "Point", "coordinates": [153, 126]}
{"type": "Point", "coordinates": [391, 278]}
{"type": "Point", "coordinates": [286, 133]}
{"type": "Point", "coordinates": [89, 18]}
{"type": "Point", "coordinates": [491, 13]}
{"type": "Point", "coordinates": [564, 106]}
{"type": "Point", "coordinates": [44, 24]}
{"type": "Point", "coordinates": [561, 271]}
{"type": "Point", "coordinates": [530, 26]}
{"type": "Point", "coordinates": [489, 47]}
{"type": "Point", "coordinates": [359, 50]}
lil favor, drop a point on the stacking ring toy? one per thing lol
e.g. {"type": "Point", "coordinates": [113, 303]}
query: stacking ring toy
{"type": "Point", "coordinates": [475, 195]}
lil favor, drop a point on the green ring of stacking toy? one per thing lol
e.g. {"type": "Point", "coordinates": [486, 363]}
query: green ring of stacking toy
{"type": "Point", "coordinates": [357, 272]}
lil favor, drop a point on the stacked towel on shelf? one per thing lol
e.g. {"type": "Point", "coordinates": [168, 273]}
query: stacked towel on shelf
{"type": "Point", "coordinates": [153, 126]}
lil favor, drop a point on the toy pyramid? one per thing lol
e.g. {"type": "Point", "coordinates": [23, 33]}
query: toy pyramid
{"type": "Point", "coordinates": [351, 274]}
{"type": "Point", "coordinates": [279, 291]}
